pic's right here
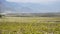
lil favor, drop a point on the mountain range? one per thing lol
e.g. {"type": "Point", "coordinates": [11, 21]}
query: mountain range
{"type": "Point", "coordinates": [12, 7]}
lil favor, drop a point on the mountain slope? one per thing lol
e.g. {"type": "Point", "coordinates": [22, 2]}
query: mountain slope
{"type": "Point", "coordinates": [30, 7]}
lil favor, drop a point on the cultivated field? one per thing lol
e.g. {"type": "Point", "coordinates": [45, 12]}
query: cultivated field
{"type": "Point", "coordinates": [30, 25]}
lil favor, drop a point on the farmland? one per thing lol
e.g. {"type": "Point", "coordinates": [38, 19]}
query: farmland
{"type": "Point", "coordinates": [30, 25]}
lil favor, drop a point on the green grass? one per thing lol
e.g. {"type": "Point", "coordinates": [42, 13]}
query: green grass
{"type": "Point", "coordinates": [30, 25]}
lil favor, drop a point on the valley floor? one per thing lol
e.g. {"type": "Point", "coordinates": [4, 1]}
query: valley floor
{"type": "Point", "coordinates": [30, 25]}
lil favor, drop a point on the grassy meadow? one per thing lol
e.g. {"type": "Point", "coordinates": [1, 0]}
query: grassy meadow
{"type": "Point", "coordinates": [30, 25]}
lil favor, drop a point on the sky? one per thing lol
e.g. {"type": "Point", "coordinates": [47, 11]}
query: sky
{"type": "Point", "coordinates": [34, 1]}
{"type": "Point", "coordinates": [37, 5]}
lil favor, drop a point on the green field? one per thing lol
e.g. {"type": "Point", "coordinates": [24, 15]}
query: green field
{"type": "Point", "coordinates": [30, 25]}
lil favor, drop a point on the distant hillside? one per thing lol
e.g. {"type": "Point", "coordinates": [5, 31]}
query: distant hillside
{"type": "Point", "coordinates": [34, 14]}
{"type": "Point", "coordinates": [28, 7]}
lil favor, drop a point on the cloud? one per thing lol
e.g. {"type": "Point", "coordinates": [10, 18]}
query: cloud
{"type": "Point", "coordinates": [33, 1]}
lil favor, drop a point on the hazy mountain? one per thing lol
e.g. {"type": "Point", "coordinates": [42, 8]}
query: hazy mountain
{"type": "Point", "coordinates": [29, 7]}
